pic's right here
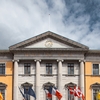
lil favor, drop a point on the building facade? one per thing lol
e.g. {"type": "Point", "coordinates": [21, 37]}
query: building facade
{"type": "Point", "coordinates": [50, 60]}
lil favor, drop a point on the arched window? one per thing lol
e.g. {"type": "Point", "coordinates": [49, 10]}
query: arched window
{"type": "Point", "coordinates": [95, 88]}
{"type": "Point", "coordinates": [26, 87]}
{"type": "Point", "coordinates": [47, 85]}
{"type": "Point", "coordinates": [72, 85]}
{"type": "Point", "coordinates": [2, 89]}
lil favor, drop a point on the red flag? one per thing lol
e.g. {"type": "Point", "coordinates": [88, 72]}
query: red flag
{"type": "Point", "coordinates": [58, 94]}
{"type": "Point", "coordinates": [79, 93]}
{"type": "Point", "coordinates": [71, 90]}
{"type": "Point", "coordinates": [76, 92]}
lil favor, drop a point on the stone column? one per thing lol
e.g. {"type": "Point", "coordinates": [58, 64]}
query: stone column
{"type": "Point", "coordinates": [15, 89]}
{"type": "Point", "coordinates": [82, 75]}
{"type": "Point", "coordinates": [37, 79]}
{"type": "Point", "coordinates": [60, 75]}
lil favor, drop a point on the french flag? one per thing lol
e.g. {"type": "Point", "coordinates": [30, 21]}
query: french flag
{"type": "Point", "coordinates": [48, 94]}
{"type": "Point", "coordinates": [54, 91]}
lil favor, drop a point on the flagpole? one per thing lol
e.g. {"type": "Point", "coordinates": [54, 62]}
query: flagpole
{"type": "Point", "coordinates": [49, 22]}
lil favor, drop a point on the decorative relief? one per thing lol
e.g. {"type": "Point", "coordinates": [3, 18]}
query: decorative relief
{"type": "Point", "coordinates": [48, 43]}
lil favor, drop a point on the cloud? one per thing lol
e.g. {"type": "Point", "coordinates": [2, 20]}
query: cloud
{"type": "Point", "coordinates": [78, 20]}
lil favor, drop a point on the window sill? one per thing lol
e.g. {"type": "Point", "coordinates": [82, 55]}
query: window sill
{"type": "Point", "coordinates": [48, 74]}
{"type": "Point", "coordinates": [70, 75]}
{"type": "Point", "coordinates": [3, 75]}
{"type": "Point", "coordinates": [26, 74]}
{"type": "Point", "coordinates": [95, 75]}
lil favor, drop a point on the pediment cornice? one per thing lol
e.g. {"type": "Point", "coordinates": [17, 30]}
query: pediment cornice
{"type": "Point", "coordinates": [45, 35]}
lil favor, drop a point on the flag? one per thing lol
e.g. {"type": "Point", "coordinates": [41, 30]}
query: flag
{"type": "Point", "coordinates": [54, 91]}
{"type": "Point", "coordinates": [48, 94]}
{"type": "Point", "coordinates": [71, 90]}
{"type": "Point", "coordinates": [77, 92]}
{"type": "Point", "coordinates": [29, 92]}
{"type": "Point", "coordinates": [1, 97]}
{"type": "Point", "coordinates": [22, 93]}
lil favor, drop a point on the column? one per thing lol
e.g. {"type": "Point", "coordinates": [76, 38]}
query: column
{"type": "Point", "coordinates": [82, 75]}
{"type": "Point", "coordinates": [15, 91]}
{"type": "Point", "coordinates": [37, 79]}
{"type": "Point", "coordinates": [60, 75]}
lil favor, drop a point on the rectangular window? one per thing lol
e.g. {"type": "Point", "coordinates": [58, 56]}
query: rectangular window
{"type": "Point", "coordinates": [27, 67]}
{"type": "Point", "coordinates": [3, 93]}
{"type": "Point", "coordinates": [95, 93]}
{"type": "Point", "coordinates": [95, 69]}
{"type": "Point", "coordinates": [26, 89]}
{"type": "Point", "coordinates": [70, 68]}
{"type": "Point", "coordinates": [2, 68]}
{"type": "Point", "coordinates": [70, 96]}
{"type": "Point", "coordinates": [48, 68]}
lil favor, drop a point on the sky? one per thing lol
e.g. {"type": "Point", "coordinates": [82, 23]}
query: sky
{"type": "Point", "coordinates": [78, 20]}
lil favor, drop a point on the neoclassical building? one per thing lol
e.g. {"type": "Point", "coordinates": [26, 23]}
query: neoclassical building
{"type": "Point", "coordinates": [49, 60]}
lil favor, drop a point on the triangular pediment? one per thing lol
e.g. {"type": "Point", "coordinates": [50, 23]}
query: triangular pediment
{"type": "Point", "coordinates": [48, 40]}
{"type": "Point", "coordinates": [95, 85]}
{"type": "Point", "coordinates": [70, 85]}
{"type": "Point", "coordinates": [26, 84]}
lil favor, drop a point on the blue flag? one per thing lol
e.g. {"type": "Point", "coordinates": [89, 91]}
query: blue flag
{"type": "Point", "coordinates": [22, 93]}
{"type": "Point", "coordinates": [31, 92]}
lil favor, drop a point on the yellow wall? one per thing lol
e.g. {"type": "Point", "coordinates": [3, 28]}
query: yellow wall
{"type": "Point", "coordinates": [7, 79]}
{"type": "Point", "coordinates": [89, 80]}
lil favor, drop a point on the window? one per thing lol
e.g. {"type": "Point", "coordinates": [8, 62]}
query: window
{"type": "Point", "coordinates": [26, 95]}
{"type": "Point", "coordinates": [95, 89]}
{"type": "Point", "coordinates": [26, 88]}
{"type": "Point", "coordinates": [95, 69]}
{"type": "Point", "coordinates": [46, 86]}
{"type": "Point", "coordinates": [2, 68]}
{"type": "Point", "coordinates": [70, 96]}
{"type": "Point", "coordinates": [70, 68]}
{"type": "Point", "coordinates": [3, 93]}
{"type": "Point", "coordinates": [48, 68]}
{"type": "Point", "coordinates": [2, 89]}
{"type": "Point", "coordinates": [27, 68]}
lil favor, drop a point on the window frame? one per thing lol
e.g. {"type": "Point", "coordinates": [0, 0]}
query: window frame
{"type": "Point", "coordinates": [26, 86]}
{"type": "Point", "coordinates": [3, 89]}
{"type": "Point", "coordinates": [97, 69]}
{"type": "Point", "coordinates": [94, 94]}
{"type": "Point", "coordinates": [72, 85]}
{"type": "Point", "coordinates": [49, 68]}
{"type": "Point", "coordinates": [69, 66]}
{"type": "Point", "coordinates": [27, 67]}
{"type": "Point", "coordinates": [3, 69]}
{"type": "Point", "coordinates": [95, 86]}
{"type": "Point", "coordinates": [46, 86]}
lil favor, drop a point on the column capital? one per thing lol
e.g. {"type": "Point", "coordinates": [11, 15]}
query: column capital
{"type": "Point", "coordinates": [81, 60]}
{"type": "Point", "coordinates": [17, 60]}
{"type": "Point", "coordinates": [37, 60]}
{"type": "Point", "coordinates": [59, 60]}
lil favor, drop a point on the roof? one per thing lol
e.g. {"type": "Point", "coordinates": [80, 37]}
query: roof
{"type": "Point", "coordinates": [45, 35]}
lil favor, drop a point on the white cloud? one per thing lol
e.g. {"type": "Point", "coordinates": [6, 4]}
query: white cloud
{"type": "Point", "coordinates": [21, 20]}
